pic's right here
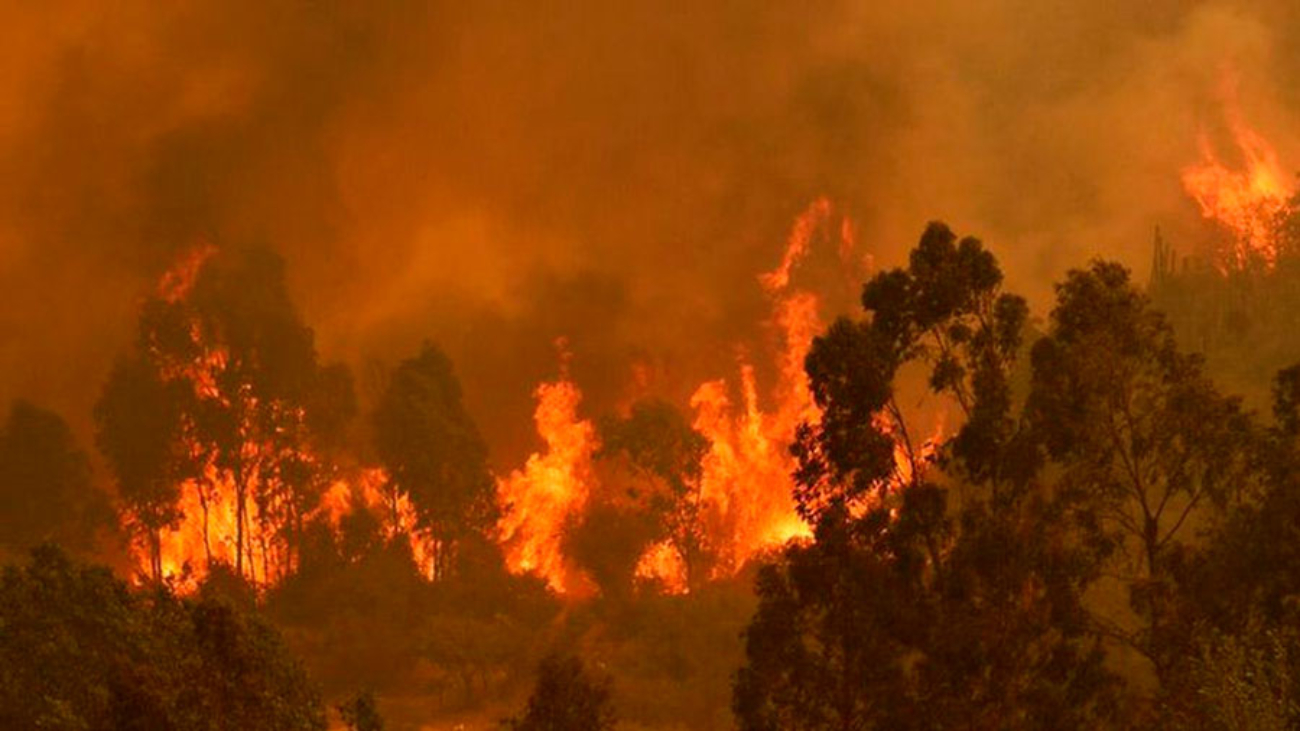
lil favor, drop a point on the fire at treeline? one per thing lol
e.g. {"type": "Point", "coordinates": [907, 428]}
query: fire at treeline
{"type": "Point", "coordinates": [943, 511]}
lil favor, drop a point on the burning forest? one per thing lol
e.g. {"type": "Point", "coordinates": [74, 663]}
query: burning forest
{"type": "Point", "coordinates": [634, 367]}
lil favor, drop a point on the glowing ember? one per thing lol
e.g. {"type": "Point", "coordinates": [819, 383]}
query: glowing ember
{"type": "Point", "coordinates": [539, 500]}
{"type": "Point", "coordinates": [1247, 202]}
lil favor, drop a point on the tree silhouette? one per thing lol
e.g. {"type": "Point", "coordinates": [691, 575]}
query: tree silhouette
{"type": "Point", "coordinates": [139, 427]}
{"type": "Point", "coordinates": [223, 388]}
{"type": "Point", "coordinates": [81, 650]}
{"type": "Point", "coordinates": [924, 603]}
{"type": "Point", "coordinates": [264, 377]}
{"type": "Point", "coordinates": [46, 492]}
{"type": "Point", "coordinates": [665, 455]}
{"type": "Point", "coordinates": [433, 453]}
{"type": "Point", "coordinates": [566, 698]}
{"type": "Point", "coordinates": [1143, 438]}
{"type": "Point", "coordinates": [361, 713]}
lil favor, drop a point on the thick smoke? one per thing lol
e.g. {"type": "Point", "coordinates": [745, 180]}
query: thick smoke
{"type": "Point", "coordinates": [494, 175]}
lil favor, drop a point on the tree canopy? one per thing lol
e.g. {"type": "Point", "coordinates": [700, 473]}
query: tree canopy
{"type": "Point", "coordinates": [46, 492]}
{"type": "Point", "coordinates": [433, 452]}
{"type": "Point", "coordinates": [81, 650]}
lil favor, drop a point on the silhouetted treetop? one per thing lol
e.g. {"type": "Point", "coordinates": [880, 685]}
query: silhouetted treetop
{"type": "Point", "coordinates": [46, 493]}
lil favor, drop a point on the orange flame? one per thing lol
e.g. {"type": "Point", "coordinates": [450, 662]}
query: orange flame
{"type": "Point", "coordinates": [553, 486]}
{"type": "Point", "coordinates": [205, 534]}
{"type": "Point", "coordinates": [1246, 202]}
{"type": "Point", "coordinates": [910, 459]}
{"type": "Point", "coordinates": [176, 283]}
{"type": "Point", "coordinates": [800, 240]}
{"type": "Point", "coordinates": [747, 472]}
{"type": "Point", "coordinates": [365, 491]}
{"type": "Point", "coordinates": [662, 563]}
{"type": "Point", "coordinates": [744, 489]}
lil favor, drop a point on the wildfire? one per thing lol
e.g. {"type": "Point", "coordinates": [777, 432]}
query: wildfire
{"type": "Point", "coordinates": [745, 488]}
{"type": "Point", "coordinates": [747, 473]}
{"type": "Point", "coordinates": [740, 505]}
{"type": "Point", "coordinates": [912, 459]}
{"type": "Point", "coordinates": [539, 499]}
{"type": "Point", "coordinates": [247, 523]}
{"type": "Point", "coordinates": [1247, 202]}
{"type": "Point", "coordinates": [366, 491]}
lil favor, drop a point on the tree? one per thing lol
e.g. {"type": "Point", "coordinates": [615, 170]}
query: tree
{"type": "Point", "coordinates": [305, 468]}
{"type": "Point", "coordinates": [1143, 438]}
{"type": "Point", "coordinates": [361, 713]}
{"type": "Point", "coordinates": [46, 492]}
{"type": "Point", "coordinates": [946, 312]}
{"type": "Point", "coordinates": [138, 428]}
{"type": "Point", "coordinates": [1234, 587]}
{"type": "Point", "coordinates": [664, 501]}
{"type": "Point", "coordinates": [1236, 683]}
{"type": "Point", "coordinates": [566, 698]}
{"type": "Point", "coordinates": [433, 453]}
{"type": "Point", "coordinates": [81, 650]}
{"type": "Point", "coordinates": [609, 537]}
{"type": "Point", "coordinates": [251, 422]}
{"type": "Point", "coordinates": [223, 389]}
{"type": "Point", "coordinates": [1245, 573]}
{"type": "Point", "coordinates": [911, 609]}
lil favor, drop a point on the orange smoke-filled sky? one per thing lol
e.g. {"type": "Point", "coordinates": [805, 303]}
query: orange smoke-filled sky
{"type": "Point", "coordinates": [494, 175]}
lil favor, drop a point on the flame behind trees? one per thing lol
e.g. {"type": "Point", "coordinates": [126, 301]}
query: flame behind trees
{"type": "Point", "coordinates": [226, 438]}
{"type": "Point", "coordinates": [666, 455]}
{"type": "Point", "coordinates": [211, 424]}
{"type": "Point", "coordinates": [923, 603]}
{"type": "Point", "coordinates": [945, 310]}
{"type": "Point", "coordinates": [46, 492]}
{"type": "Point", "coordinates": [725, 484]}
{"type": "Point", "coordinates": [959, 599]}
{"type": "Point", "coordinates": [434, 456]}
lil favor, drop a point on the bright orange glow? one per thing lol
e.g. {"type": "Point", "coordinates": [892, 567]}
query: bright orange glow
{"type": "Point", "coordinates": [797, 245]}
{"type": "Point", "coordinates": [367, 491]}
{"type": "Point", "coordinates": [539, 500]}
{"type": "Point", "coordinates": [662, 563]}
{"type": "Point", "coordinates": [742, 499]}
{"type": "Point", "coordinates": [746, 484]}
{"type": "Point", "coordinates": [912, 459]}
{"type": "Point", "coordinates": [208, 527]}
{"type": "Point", "coordinates": [1247, 202]}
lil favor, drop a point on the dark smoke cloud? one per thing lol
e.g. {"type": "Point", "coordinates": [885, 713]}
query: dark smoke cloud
{"type": "Point", "coordinates": [495, 175]}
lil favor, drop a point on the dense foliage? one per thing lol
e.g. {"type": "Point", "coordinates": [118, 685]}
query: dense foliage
{"type": "Point", "coordinates": [80, 650]}
{"type": "Point", "coordinates": [1101, 501]}
{"type": "Point", "coordinates": [46, 493]}
{"type": "Point", "coordinates": [567, 698]}
{"type": "Point", "coordinates": [1102, 539]}
{"type": "Point", "coordinates": [434, 454]}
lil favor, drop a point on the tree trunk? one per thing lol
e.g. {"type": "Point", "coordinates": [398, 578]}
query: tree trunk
{"type": "Point", "coordinates": [155, 555]}
{"type": "Point", "coordinates": [207, 543]}
{"type": "Point", "coordinates": [239, 523]}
